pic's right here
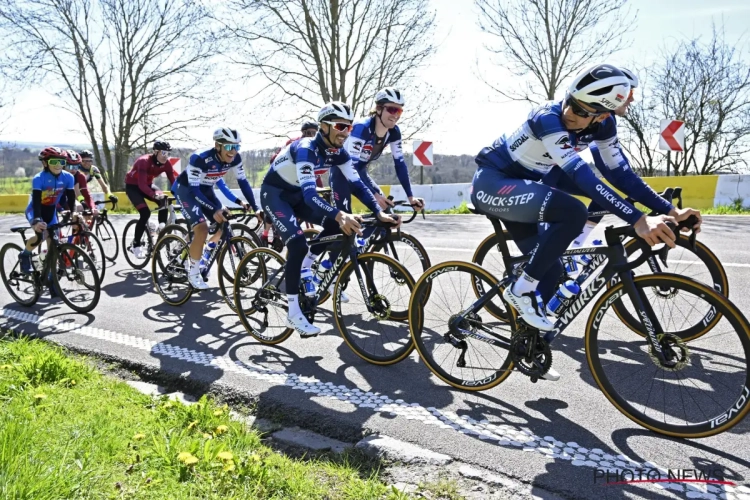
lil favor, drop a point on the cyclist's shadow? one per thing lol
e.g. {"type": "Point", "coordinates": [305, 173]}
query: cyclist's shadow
{"type": "Point", "coordinates": [132, 283]}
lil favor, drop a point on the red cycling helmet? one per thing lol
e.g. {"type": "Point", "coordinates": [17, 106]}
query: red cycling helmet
{"type": "Point", "coordinates": [53, 152]}
{"type": "Point", "coordinates": [73, 158]}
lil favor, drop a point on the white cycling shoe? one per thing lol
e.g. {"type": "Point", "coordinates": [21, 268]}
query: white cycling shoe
{"type": "Point", "coordinates": [300, 324]}
{"type": "Point", "coordinates": [530, 308]}
{"type": "Point", "coordinates": [344, 297]}
{"type": "Point", "coordinates": [196, 281]}
{"type": "Point", "coordinates": [551, 375]}
{"type": "Point", "coordinates": [138, 252]}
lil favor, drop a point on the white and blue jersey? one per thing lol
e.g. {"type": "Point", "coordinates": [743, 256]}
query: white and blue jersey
{"type": "Point", "coordinates": [293, 172]}
{"type": "Point", "coordinates": [205, 170]}
{"type": "Point", "coordinates": [364, 147]}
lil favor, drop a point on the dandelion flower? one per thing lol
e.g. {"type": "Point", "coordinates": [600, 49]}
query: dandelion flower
{"type": "Point", "coordinates": [229, 466]}
{"type": "Point", "coordinates": [187, 458]}
{"type": "Point", "coordinates": [218, 413]}
{"type": "Point", "coordinates": [225, 455]}
{"type": "Point", "coordinates": [222, 429]}
{"type": "Point", "coordinates": [139, 437]}
{"type": "Point", "coordinates": [192, 424]}
{"type": "Point", "coordinates": [40, 396]}
{"type": "Point", "coordinates": [207, 436]}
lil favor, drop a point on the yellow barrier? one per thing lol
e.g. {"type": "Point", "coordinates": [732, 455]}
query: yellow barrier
{"type": "Point", "coordinates": [358, 207]}
{"type": "Point", "coordinates": [17, 203]}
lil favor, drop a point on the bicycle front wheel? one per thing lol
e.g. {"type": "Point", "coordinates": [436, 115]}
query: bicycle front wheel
{"type": "Point", "coordinates": [229, 261]}
{"type": "Point", "coordinates": [94, 248]}
{"type": "Point", "coordinates": [706, 393]}
{"type": "Point", "coordinates": [128, 236]}
{"type": "Point", "coordinates": [378, 334]}
{"type": "Point", "coordinates": [168, 270]}
{"type": "Point", "coordinates": [24, 288]}
{"type": "Point", "coordinates": [76, 278]}
{"type": "Point", "coordinates": [108, 237]}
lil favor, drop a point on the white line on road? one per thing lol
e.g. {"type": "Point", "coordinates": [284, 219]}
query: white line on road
{"type": "Point", "coordinates": [502, 435]}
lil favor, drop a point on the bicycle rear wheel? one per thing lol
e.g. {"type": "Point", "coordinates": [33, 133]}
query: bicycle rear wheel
{"type": "Point", "coordinates": [108, 237]}
{"type": "Point", "coordinates": [706, 393]}
{"type": "Point", "coordinates": [463, 361]}
{"type": "Point", "coordinates": [228, 261]}
{"type": "Point", "coordinates": [24, 288]}
{"type": "Point", "coordinates": [488, 257]}
{"type": "Point", "coordinates": [168, 270]}
{"type": "Point", "coordinates": [94, 249]}
{"type": "Point", "coordinates": [380, 336]}
{"type": "Point", "coordinates": [76, 278]}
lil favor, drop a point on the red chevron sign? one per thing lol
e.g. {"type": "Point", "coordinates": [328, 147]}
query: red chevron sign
{"type": "Point", "coordinates": [423, 153]}
{"type": "Point", "coordinates": [672, 135]}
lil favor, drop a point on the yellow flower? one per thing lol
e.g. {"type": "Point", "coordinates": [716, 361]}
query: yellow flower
{"type": "Point", "coordinates": [138, 437]}
{"type": "Point", "coordinates": [72, 382]}
{"type": "Point", "coordinates": [207, 436]}
{"type": "Point", "coordinates": [187, 458]}
{"type": "Point", "coordinates": [40, 396]}
{"type": "Point", "coordinates": [229, 466]}
{"type": "Point", "coordinates": [6, 367]}
{"type": "Point", "coordinates": [218, 413]}
{"type": "Point", "coordinates": [225, 455]}
{"type": "Point", "coordinates": [222, 429]}
{"type": "Point", "coordinates": [192, 424]}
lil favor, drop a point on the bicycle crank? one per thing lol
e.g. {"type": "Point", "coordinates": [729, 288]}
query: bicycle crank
{"type": "Point", "coordinates": [531, 355]}
{"type": "Point", "coordinates": [675, 351]}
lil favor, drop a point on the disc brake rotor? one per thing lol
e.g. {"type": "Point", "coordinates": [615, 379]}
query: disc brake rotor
{"type": "Point", "coordinates": [674, 349]}
{"type": "Point", "coordinates": [381, 307]}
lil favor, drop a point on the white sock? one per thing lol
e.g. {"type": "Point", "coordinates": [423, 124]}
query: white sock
{"type": "Point", "coordinates": [195, 269]}
{"type": "Point", "coordinates": [293, 302]}
{"type": "Point", "coordinates": [309, 259]}
{"type": "Point", "coordinates": [578, 242]}
{"type": "Point", "coordinates": [524, 284]}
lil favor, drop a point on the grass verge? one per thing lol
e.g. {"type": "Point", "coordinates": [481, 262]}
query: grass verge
{"type": "Point", "coordinates": [67, 431]}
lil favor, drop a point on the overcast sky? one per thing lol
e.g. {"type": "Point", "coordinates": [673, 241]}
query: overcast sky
{"type": "Point", "coordinates": [476, 115]}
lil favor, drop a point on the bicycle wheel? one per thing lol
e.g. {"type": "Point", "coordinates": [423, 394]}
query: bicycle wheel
{"type": "Point", "coordinates": [127, 244]}
{"type": "Point", "coordinates": [411, 254]}
{"type": "Point", "coordinates": [176, 229]}
{"type": "Point", "coordinates": [459, 360]}
{"type": "Point", "coordinates": [108, 237]}
{"type": "Point", "coordinates": [258, 300]}
{"type": "Point", "coordinates": [380, 336]}
{"type": "Point", "coordinates": [168, 270]}
{"type": "Point", "coordinates": [706, 393]}
{"type": "Point", "coordinates": [488, 257]}
{"type": "Point", "coordinates": [228, 261]}
{"type": "Point", "coordinates": [94, 249]}
{"type": "Point", "coordinates": [700, 265]}
{"type": "Point", "coordinates": [76, 278]}
{"type": "Point", "coordinates": [24, 288]}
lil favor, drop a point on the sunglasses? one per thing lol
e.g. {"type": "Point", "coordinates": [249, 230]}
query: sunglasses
{"type": "Point", "coordinates": [579, 111]}
{"type": "Point", "coordinates": [309, 133]}
{"type": "Point", "coordinates": [56, 162]}
{"type": "Point", "coordinates": [230, 147]}
{"type": "Point", "coordinates": [394, 110]}
{"type": "Point", "coordinates": [341, 127]}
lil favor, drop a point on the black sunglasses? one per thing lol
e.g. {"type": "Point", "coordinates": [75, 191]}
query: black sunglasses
{"type": "Point", "coordinates": [579, 111]}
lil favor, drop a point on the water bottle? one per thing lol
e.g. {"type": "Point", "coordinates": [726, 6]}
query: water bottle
{"type": "Point", "coordinates": [270, 236]}
{"type": "Point", "coordinates": [152, 229]}
{"type": "Point", "coordinates": [308, 286]}
{"type": "Point", "coordinates": [566, 291]}
{"type": "Point", "coordinates": [210, 246]}
{"type": "Point", "coordinates": [323, 268]}
{"type": "Point", "coordinates": [570, 265]}
{"type": "Point", "coordinates": [36, 262]}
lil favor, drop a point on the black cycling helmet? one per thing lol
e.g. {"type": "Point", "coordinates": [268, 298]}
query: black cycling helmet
{"type": "Point", "coordinates": [86, 154]}
{"type": "Point", "coordinates": [309, 125]}
{"type": "Point", "coordinates": [162, 146]}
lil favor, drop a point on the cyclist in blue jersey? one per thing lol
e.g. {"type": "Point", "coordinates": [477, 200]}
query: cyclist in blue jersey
{"type": "Point", "coordinates": [289, 195]}
{"type": "Point", "coordinates": [507, 185]}
{"type": "Point", "coordinates": [366, 143]}
{"type": "Point", "coordinates": [194, 191]}
{"type": "Point", "coordinates": [47, 187]}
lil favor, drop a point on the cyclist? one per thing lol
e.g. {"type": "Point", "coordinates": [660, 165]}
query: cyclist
{"type": "Point", "coordinates": [139, 186]}
{"type": "Point", "coordinates": [91, 172]}
{"type": "Point", "coordinates": [81, 186]}
{"type": "Point", "coordinates": [506, 185]}
{"type": "Point", "coordinates": [289, 195]}
{"type": "Point", "coordinates": [195, 194]}
{"type": "Point", "coordinates": [46, 189]}
{"type": "Point", "coordinates": [368, 139]}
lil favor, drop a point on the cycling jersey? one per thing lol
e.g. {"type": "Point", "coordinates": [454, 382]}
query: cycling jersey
{"type": "Point", "coordinates": [92, 173]}
{"type": "Point", "coordinates": [205, 170]}
{"type": "Point", "coordinates": [46, 191]}
{"type": "Point", "coordinates": [542, 142]}
{"type": "Point", "coordinates": [293, 172]}
{"type": "Point", "coordinates": [365, 147]}
{"type": "Point", "coordinates": [83, 187]}
{"type": "Point", "coordinates": [318, 172]}
{"type": "Point", "coordinates": [145, 170]}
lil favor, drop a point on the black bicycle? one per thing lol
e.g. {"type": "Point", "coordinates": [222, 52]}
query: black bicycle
{"type": "Point", "coordinates": [102, 227]}
{"type": "Point", "coordinates": [66, 267]}
{"type": "Point", "coordinates": [173, 226]}
{"type": "Point", "coordinates": [372, 323]}
{"type": "Point", "coordinates": [672, 378]}
{"type": "Point", "coordinates": [168, 269]}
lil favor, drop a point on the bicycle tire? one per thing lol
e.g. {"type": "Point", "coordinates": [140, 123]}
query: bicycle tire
{"type": "Point", "coordinates": [720, 283]}
{"type": "Point", "coordinates": [615, 353]}
{"type": "Point", "coordinates": [417, 327]}
{"type": "Point", "coordinates": [175, 261]}
{"type": "Point", "coordinates": [480, 257]}
{"type": "Point", "coordinates": [130, 229]}
{"type": "Point", "coordinates": [175, 229]}
{"type": "Point", "coordinates": [64, 255]}
{"type": "Point", "coordinates": [11, 276]}
{"type": "Point", "coordinates": [239, 229]}
{"type": "Point", "coordinates": [105, 231]}
{"type": "Point", "coordinates": [260, 258]}
{"type": "Point", "coordinates": [226, 281]}
{"type": "Point", "coordinates": [368, 260]}
{"type": "Point", "coordinates": [92, 245]}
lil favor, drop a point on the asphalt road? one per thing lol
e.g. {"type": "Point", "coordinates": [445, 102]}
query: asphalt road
{"type": "Point", "coordinates": [552, 434]}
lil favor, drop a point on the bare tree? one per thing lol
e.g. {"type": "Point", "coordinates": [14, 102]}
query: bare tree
{"type": "Point", "coordinates": [131, 70]}
{"type": "Point", "coordinates": [314, 51]}
{"type": "Point", "coordinates": [547, 41]}
{"type": "Point", "coordinates": [706, 85]}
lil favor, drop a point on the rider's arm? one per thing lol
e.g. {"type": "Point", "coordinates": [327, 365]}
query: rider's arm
{"type": "Point", "coordinates": [305, 162]}
{"type": "Point", "coordinates": [580, 172]}
{"type": "Point", "coordinates": [245, 186]}
{"type": "Point", "coordinates": [402, 171]}
{"type": "Point", "coordinates": [69, 184]}
{"type": "Point", "coordinates": [359, 188]}
{"type": "Point", "coordinates": [613, 165]}
{"type": "Point", "coordinates": [142, 165]}
{"type": "Point", "coordinates": [170, 173]}
{"type": "Point", "coordinates": [96, 174]}
{"type": "Point", "coordinates": [83, 189]}
{"type": "Point", "coordinates": [36, 196]}
{"type": "Point", "coordinates": [354, 146]}
{"type": "Point", "coordinates": [195, 174]}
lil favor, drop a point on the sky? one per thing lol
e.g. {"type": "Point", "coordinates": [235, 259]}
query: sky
{"type": "Point", "coordinates": [476, 115]}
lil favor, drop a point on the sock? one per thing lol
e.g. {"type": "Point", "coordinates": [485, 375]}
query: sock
{"type": "Point", "coordinates": [309, 259]}
{"type": "Point", "coordinates": [293, 302]}
{"type": "Point", "coordinates": [194, 268]}
{"type": "Point", "coordinates": [524, 284]}
{"type": "Point", "coordinates": [578, 242]}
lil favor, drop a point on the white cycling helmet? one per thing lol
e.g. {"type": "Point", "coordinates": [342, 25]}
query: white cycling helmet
{"type": "Point", "coordinates": [390, 94]}
{"type": "Point", "coordinates": [336, 109]}
{"type": "Point", "coordinates": [226, 135]}
{"type": "Point", "coordinates": [603, 87]}
{"type": "Point", "coordinates": [631, 77]}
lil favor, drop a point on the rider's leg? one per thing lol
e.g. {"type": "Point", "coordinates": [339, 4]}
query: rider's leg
{"type": "Point", "coordinates": [138, 200]}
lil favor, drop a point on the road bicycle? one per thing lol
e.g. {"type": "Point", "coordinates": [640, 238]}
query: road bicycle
{"type": "Point", "coordinates": [685, 375]}
{"type": "Point", "coordinates": [173, 226]}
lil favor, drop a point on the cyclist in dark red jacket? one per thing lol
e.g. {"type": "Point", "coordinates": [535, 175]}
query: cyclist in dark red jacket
{"type": "Point", "coordinates": [139, 188]}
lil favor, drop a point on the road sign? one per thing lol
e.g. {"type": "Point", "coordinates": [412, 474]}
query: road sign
{"type": "Point", "coordinates": [672, 135]}
{"type": "Point", "coordinates": [423, 154]}
{"type": "Point", "coordinates": [176, 164]}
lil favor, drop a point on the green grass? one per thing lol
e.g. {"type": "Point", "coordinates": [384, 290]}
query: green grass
{"type": "Point", "coordinates": [15, 185]}
{"type": "Point", "coordinates": [462, 209]}
{"type": "Point", "coordinates": [67, 431]}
